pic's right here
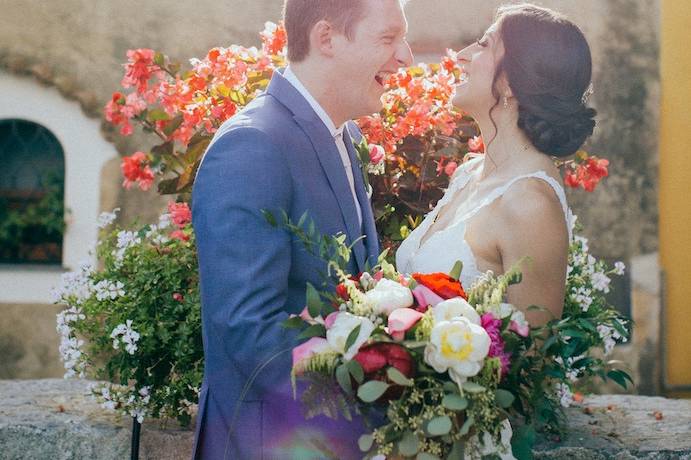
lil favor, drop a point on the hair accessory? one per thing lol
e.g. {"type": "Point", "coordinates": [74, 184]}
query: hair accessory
{"type": "Point", "coordinates": [506, 102]}
{"type": "Point", "coordinates": [588, 92]}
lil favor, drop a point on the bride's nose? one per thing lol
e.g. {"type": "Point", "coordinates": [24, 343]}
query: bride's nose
{"type": "Point", "coordinates": [464, 56]}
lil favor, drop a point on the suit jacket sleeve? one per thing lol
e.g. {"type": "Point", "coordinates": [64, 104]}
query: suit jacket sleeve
{"type": "Point", "coordinates": [244, 262]}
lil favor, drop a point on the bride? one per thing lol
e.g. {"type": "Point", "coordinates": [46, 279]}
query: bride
{"type": "Point", "coordinates": [525, 82]}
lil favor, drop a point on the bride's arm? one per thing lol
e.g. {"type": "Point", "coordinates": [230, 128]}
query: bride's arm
{"type": "Point", "coordinates": [533, 226]}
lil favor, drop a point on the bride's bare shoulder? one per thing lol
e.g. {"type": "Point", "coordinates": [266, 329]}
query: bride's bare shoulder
{"type": "Point", "coordinates": [530, 205]}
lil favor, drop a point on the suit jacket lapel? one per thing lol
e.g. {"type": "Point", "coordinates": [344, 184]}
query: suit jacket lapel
{"type": "Point", "coordinates": [329, 157]}
{"type": "Point", "coordinates": [368, 224]}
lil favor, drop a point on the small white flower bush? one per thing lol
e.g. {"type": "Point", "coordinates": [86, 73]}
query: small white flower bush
{"type": "Point", "coordinates": [135, 323]}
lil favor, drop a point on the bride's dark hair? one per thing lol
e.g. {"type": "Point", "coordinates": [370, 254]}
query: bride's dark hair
{"type": "Point", "coordinates": [548, 66]}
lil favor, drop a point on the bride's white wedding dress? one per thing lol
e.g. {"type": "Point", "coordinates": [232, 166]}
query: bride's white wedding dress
{"type": "Point", "coordinates": [442, 249]}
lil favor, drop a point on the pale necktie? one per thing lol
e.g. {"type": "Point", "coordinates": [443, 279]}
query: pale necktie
{"type": "Point", "coordinates": [340, 144]}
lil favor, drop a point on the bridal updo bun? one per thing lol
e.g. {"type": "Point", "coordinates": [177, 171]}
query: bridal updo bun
{"type": "Point", "coordinates": [548, 66]}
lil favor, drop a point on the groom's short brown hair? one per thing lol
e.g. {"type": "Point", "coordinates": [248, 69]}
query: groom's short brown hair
{"type": "Point", "coordinates": [300, 16]}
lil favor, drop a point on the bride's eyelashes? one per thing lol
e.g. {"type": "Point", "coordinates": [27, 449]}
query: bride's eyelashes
{"type": "Point", "coordinates": [483, 42]}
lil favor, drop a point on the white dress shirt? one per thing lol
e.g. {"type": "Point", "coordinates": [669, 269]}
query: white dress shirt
{"type": "Point", "coordinates": [336, 133]}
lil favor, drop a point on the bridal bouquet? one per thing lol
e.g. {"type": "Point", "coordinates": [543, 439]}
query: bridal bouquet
{"type": "Point", "coordinates": [456, 371]}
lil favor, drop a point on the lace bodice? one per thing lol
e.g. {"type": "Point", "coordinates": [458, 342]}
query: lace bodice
{"type": "Point", "coordinates": [440, 250]}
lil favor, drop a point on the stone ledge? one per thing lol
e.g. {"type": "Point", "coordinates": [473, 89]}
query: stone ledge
{"type": "Point", "coordinates": [52, 419]}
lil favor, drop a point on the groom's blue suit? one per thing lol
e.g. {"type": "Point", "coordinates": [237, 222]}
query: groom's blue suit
{"type": "Point", "coordinates": [276, 154]}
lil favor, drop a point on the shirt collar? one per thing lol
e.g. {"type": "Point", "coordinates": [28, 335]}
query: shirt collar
{"type": "Point", "coordinates": [321, 113]}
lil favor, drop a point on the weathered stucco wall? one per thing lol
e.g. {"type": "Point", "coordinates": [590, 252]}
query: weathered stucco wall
{"type": "Point", "coordinates": [80, 45]}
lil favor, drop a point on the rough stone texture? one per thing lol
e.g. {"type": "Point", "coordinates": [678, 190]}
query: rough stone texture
{"type": "Point", "coordinates": [42, 419]}
{"type": "Point", "coordinates": [29, 342]}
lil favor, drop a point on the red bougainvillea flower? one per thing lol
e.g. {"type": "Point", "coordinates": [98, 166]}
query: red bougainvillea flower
{"type": "Point", "coordinates": [120, 109]}
{"type": "Point", "coordinates": [179, 235]}
{"type": "Point", "coordinates": [587, 174]}
{"type": "Point", "coordinates": [450, 168]}
{"type": "Point", "coordinates": [441, 284]}
{"type": "Point", "coordinates": [274, 38]}
{"type": "Point", "coordinates": [476, 144]}
{"type": "Point", "coordinates": [180, 214]}
{"type": "Point", "coordinates": [135, 168]}
{"type": "Point", "coordinates": [139, 69]}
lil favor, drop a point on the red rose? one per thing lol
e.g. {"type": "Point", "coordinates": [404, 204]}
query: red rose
{"type": "Point", "coordinates": [374, 358]}
{"type": "Point", "coordinates": [342, 292]}
{"type": "Point", "coordinates": [441, 284]}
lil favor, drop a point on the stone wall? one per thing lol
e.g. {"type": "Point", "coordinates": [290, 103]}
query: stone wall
{"type": "Point", "coordinates": [53, 419]}
{"type": "Point", "coordinates": [79, 47]}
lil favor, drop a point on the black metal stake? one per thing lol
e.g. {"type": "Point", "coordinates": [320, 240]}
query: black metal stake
{"type": "Point", "coordinates": [136, 430]}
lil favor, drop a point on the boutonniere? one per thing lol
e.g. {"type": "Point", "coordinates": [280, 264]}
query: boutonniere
{"type": "Point", "coordinates": [371, 157]}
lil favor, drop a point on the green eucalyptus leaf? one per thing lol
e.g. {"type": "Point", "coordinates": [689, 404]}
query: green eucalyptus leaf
{"type": "Point", "coordinates": [426, 456]}
{"type": "Point", "coordinates": [454, 402]}
{"type": "Point", "coordinates": [472, 387]}
{"type": "Point", "coordinates": [466, 426]}
{"type": "Point", "coordinates": [457, 451]}
{"type": "Point", "coordinates": [365, 442]}
{"type": "Point", "coordinates": [450, 387]}
{"type": "Point", "coordinates": [356, 371]}
{"type": "Point", "coordinates": [372, 390]}
{"type": "Point", "coordinates": [439, 426]}
{"type": "Point", "coordinates": [504, 398]}
{"type": "Point", "coordinates": [343, 378]}
{"type": "Point", "coordinates": [398, 378]}
{"type": "Point", "coordinates": [408, 445]}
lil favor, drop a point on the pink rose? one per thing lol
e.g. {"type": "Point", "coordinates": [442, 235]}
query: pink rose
{"type": "Point", "coordinates": [402, 320]}
{"type": "Point", "coordinates": [376, 153]}
{"type": "Point", "coordinates": [450, 168]}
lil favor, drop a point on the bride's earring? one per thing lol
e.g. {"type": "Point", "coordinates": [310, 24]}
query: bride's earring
{"type": "Point", "coordinates": [506, 102]}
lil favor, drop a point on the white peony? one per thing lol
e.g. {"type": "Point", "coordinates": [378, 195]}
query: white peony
{"type": "Point", "coordinates": [338, 334]}
{"type": "Point", "coordinates": [452, 308]}
{"type": "Point", "coordinates": [388, 296]}
{"type": "Point", "coordinates": [458, 346]}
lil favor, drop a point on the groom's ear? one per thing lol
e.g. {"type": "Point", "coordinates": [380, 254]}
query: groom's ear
{"type": "Point", "coordinates": [321, 38]}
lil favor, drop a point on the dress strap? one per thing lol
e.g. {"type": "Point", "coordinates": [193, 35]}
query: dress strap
{"type": "Point", "coordinates": [556, 186]}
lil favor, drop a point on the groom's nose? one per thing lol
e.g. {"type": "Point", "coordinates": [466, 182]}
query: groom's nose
{"type": "Point", "coordinates": [404, 55]}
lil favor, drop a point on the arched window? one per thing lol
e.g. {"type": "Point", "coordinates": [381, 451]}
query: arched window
{"type": "Point", "coordinates": [32, 185]}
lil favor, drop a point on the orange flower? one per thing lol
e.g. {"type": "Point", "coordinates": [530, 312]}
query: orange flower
{"type": "Point", "coordinates": [441, 284]}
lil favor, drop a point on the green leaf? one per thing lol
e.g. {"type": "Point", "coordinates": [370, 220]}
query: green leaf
{"type": "Point", "coordinates": [172, 125]}
{"type": "Point", "coordinates": [472, 387]}
{"type": "Point", "coordinates": [356, 371]}
{"type": "Point", "coordinates": [454, 402]}
{"type": "Point", "coordinates": [269, 217]}
{"type": "Point", "coordinates": [365, 442]}
{"type": "Point", "coordinates": [457, 451]}
{"type": "Point", "coordinates": [439, 426]}
{"type": "Point", "coordinates": [352, 337]}
{"type": "Point", "coordinates": [315, 330]}
{"type": "Point", "coordinates": [157, 115]}
{"type": "Point", "coordinates": [372, 390]}
{"type": "Point", "coordinates": [573, 333]}
{"type": "Point", "coordinates": [522, 442]}
{"type": "Point", "coordinates": [293, 323]}
{"type": "Point", "coordinates": [159, 59]}
{"type": "Point", "coordinates": [466, 426]}
{"type": "Point", "coordinates": [408, 445]}
{"type": "Point", "coordinates": [549, 342]}
{"type": "Point", "coordinates": [620, 377]}
{"type": "Point", "coordinates": [398, 378]}
{"type": "Point", "coordinates": [451, 387]}
{"type": "Point", "coordinates": [426, 456]}
{"type": "Point", "coordinates": [343, 378]}
{"type": "Point", "coordinates": [504, 398]}
{"type": "Point", "coordinates": [456, 270]}
{"type": "Point", "coordinates": [314, 303]}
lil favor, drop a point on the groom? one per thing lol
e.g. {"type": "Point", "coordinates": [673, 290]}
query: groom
{"type": "Point", "coordinates": [290, 149]}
